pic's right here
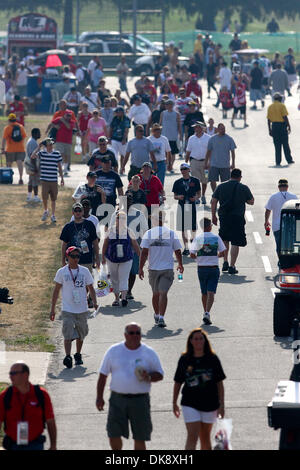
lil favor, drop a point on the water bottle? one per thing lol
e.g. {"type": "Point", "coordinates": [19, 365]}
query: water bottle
{"type": "Point", "coordinates": [180, 277]}
{"type": "Point", "coordinates": [268, 230]}
{"type": "Point", "coordinates": [206, 173]}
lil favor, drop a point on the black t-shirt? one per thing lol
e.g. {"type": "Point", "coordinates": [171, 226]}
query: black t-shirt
{"type": "Point", "coordinates": [109, 181]}
{"type": "Point", "coordinates": [95, 162]}
{"type": "Point", "coordinates": [257, 78]}
{"type": "Point", "coordinates": [93, 196]}
{"type": "Point", "coordinates": [193, 68]}
{"type": "Point", "coordinates": [138, 197]}
{"type": "Point", "coordinates": [187, 188]}
{"type": "Point", "coordinates": [235, 44]}
{"type": "Point", "coordinates": [155, 116]}
{"type": "Point", "coordinates": [190, 119]}
{"type": "Point", "coordinates": [200, 376]}
{"type": "Point", "coordinates": [232, 197]}
{"type": "Point", "coordinates": [80, 235]}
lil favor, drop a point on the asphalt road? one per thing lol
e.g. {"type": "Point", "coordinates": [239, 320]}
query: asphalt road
{"type": "Point", "coordinates": [241, 333]}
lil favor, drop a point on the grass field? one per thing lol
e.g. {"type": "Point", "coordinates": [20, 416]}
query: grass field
{"type": "Point", "coordinates": [29, 258]}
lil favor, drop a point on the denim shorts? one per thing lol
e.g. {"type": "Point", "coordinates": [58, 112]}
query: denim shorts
{"type": "Point", "coordinates": [208, 278]}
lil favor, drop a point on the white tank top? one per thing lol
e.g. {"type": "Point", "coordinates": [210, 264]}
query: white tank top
{"type": "Point", "coordinates": [211, 132]}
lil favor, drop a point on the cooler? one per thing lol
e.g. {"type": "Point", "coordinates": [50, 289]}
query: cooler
{"type": "Point", "coordinates": [6, 175]}
{"type": "Point", "coordinates": [284, 409]}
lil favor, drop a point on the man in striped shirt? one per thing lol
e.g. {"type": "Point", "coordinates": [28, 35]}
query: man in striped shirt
{"type": "Point", "coordinates": [50, 162]}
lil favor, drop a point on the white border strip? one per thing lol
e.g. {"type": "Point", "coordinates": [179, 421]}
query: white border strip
{"type": "Point", "coordinates": [257, 238]}
{"type": "Point", "coordinates": [249, 216]}
{"type": "Point", "coordinates": [267, 264]}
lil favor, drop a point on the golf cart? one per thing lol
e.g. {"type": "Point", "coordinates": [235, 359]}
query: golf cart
{"type": "Point", "coordinates": [287, 281]}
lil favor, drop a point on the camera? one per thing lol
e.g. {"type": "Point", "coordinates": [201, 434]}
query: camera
{"type": "Point", "coordinates": [5, 298]}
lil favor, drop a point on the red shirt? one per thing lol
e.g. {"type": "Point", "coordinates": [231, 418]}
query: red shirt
{"type": "Point", "coordinates": [174, 88]}
{"type": "Point", "coordinates": [17, 108]}
{"type": "Point", "coordinates": [154, 187]}
{"type": "Point", "coordinates": [83, 121]}
{"type": "Point", "coordinates": [28, 404]}
{"type": "Point", "coordinates": [64, 134]}
{"type": "Point", "coordinates": [150, 90]}
{"type": "Point", "coordinates": [193, 87]}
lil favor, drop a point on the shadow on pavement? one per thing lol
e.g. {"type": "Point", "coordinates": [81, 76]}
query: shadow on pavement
{"type": "Point", "coordinates": [234, 279]}
{"type": "Point", "coordinates": [211, 328]}
{"type": "Point", "coordinates": [279, 167]}
{"type": "Point", "coordinates": [156, 332]}
{"type": "Point", "coordinates": [70, 375]}
{"type": "Point", "coordinates": [285, 342]}
{"type": "Point", "coordinates": [132, 307]}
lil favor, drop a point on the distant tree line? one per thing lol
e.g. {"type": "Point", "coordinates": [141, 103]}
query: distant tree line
{"type": "Point", "coordinates": [206, 10]}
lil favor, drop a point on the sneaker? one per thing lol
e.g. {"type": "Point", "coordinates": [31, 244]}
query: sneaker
{"type": "Point", "coordinates": [203, 199]}
{"type": "Point", "coordinates": [225, 266]}
{"type": "Point", "coordinates": [185, 252]}
{"type": "Point", "coordinates": [156, 319]}
{"type": "Point", "coordinates": [232, 270]}
{"type": "Point", "coordinates": [29, 198]}
{"type": "Point", "coordinates": [198, 201]}
{"type": "Point", "coordinates": [78, 359]}
{"type": "Point", "coordinates": [129, 296]}
{"type": "Point", "coordinates": [45, 215]}
{"type": "Point", "coordinates": [68, 362]}
{"type": "Point", "coordinates": [66, 174]}
{"type": "Point", "coordinates": [292, 161]}
{"type": "Point", "coordinates": [253, 107]}
{"type": "Point", "coordinates": [262, 104]}
{"type": "Point", "coordinates": [124, 302]}
{"type": "Point", "coordinates": [36, 199]}
{"type": "Point", "coordinates": [161, 323]}
{"type": "Point", "coordinates": [21, 181]}
{"type": "Point", "coordinates": [53, 219]}
{"type": "Point", "coordinates": [206, 319]}
{"type": "Point", "coordinates": [246, 125]}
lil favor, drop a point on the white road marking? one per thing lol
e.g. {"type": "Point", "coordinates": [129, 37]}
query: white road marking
{"type": "Point", "coordinates": [273, 290]}
{"type": "Point", "coordinates": [249, 216]}
{"type": "Point", "coordinates": [257, 238]}
{"type": "Point", "coordinates": [267, 264]}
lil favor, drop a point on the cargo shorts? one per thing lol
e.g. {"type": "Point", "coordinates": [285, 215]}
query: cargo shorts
{"type": "Point", "coordinates": [75, 325]}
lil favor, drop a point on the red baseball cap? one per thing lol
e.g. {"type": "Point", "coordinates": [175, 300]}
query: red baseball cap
{"type": "Point", "coordinates": [71, 249]}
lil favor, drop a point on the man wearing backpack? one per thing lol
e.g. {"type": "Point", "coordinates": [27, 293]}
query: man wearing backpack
{"type": "Point", "coordinates": [25, 409]}
{"type": "Point", "coordinates": [13, 144]}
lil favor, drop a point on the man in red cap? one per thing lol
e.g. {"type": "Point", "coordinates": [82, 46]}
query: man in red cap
{"type": "Point", "coordinates": [73, 279]}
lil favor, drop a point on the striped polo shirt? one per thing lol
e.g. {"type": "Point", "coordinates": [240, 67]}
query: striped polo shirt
{"type": "Point", "coordinates": [49, 165]}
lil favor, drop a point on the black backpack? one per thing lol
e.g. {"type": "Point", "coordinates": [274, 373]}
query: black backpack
{"type": "Point", "coordinates": [16, 134]}
{"type": "Point", "coordinates": [39, 395]}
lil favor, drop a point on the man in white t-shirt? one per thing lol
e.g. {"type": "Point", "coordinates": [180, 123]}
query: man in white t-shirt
{"type": "Point", "coordinates": [139, 112]}
{"type": "Point", "coordinates": [196, 152]}
{"type": "Point", "coordinates": [274, 205]}
{"type": "Point", "coordinates": [224, 78]}
{"type": "Point", "coordinates": [133, 366]}
{"type": "Point", "coordinates": [73, 279]}
{"type": "Point", "coordinates": [207, 248]}
{"type": "Point", "coordinates": [158, 244]}
{"type": "Point", "coordinates": [162, 151]}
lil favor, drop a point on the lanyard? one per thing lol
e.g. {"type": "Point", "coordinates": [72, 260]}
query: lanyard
{"type": "Point", "coordinates": [186, 184]}
{"type": "Point", "coordinates": [23, 405]}
{"type": "Point", "coordinates": [74, 279]}
{"type": "Point", "coordinates": [146, 183]}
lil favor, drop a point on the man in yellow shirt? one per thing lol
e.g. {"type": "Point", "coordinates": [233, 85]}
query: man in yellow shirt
{"type": "Point", "coordinates": [279, 129]}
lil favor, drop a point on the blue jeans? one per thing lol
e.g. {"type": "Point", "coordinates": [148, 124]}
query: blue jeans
{"type": "Point", "coordinates": [277, 240]}
{"type": "Point", "coordinates": [161, 171]}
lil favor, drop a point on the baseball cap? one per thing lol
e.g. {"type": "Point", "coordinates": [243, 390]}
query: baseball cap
{"type": "Point", "coordinates": [91, 174]}
{"type": "Point", "coordinates": [102, 139]}
{"type": "Point", "coordinates": [71, 249]}
{"type": "Point", "coordinates": [77, 204]}
{"type": "Point", "coordinates": [119, 108]}
{"type": "Point", "coordinates": [147, 164]}
{"type": "Point", "coordinates": [192, 103]}
{"type": "Point", "coordinates": [194, 75]}
{"type": "Point", "coordinates": [199, 123]}
{"type": "Point", "coordinates": [185, 165]}
{"type": "Point", "coordinates": [283, 182]}
{"type": "Point", "coordinates": [156, 126]}
{"type": "Point", "coordinates": [85, 202]}
{"type": "Point", "coordinates": [12, 117]}
{"type": "Point", "coordinates": [48, 141]}
{"type": "Point", "coordinates": [169, 101]}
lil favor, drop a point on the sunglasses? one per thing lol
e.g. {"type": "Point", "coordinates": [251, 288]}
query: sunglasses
{"type": "Point", "coordinates": [74, 256]}
{"type": "Point", "coordinates": [77, 210]}
{"type": "Point", "coordinates": [134, 333]}
{"type": "Point", "coordinates": [16, 372]}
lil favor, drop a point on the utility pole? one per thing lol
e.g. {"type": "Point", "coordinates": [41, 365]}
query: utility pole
{"type": "Point", "coordinates": [134, 9]}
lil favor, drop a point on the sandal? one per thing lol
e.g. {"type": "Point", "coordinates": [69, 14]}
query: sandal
{"type": "Point", "coordinates": [116, 303]}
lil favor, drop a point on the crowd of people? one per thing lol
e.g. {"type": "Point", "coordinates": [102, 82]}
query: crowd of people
{"type": "Point", "coordinates": [167, 121]}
